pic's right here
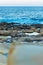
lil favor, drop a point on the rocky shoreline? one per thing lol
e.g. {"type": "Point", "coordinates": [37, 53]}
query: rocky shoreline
{"type": "Point", "coordinates": [15, 31]}
{"type": "Point", "coordinates": [9, 28]}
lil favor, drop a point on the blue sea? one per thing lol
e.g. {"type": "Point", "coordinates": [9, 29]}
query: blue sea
{"type": "Point", "coordinates": [21, 14]}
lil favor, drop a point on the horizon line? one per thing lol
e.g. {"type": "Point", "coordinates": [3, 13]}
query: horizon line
{"type": "Point", "coordinates": [23, 5]}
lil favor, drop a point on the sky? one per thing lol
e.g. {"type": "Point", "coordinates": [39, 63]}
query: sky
{"type": "Point", "coordinates": [21, 2]}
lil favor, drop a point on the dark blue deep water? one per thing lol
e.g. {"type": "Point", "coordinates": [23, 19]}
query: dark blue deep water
{"type": "Point", "coordinates": [27, 15]}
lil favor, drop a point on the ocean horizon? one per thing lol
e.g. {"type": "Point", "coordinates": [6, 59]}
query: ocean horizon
{"type": "Point", "coordinates": [22, 14]}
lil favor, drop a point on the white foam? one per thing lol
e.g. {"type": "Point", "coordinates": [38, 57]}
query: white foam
{"type": "Point", "coordinates": [34, 33]}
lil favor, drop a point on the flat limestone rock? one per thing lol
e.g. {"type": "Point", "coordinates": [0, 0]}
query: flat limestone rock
{"type": "Point", "coordinates": [2, 64]}
{"type": "Point", "coordinates": [3, 48]}
{"type": "Point", "coordinates": [27, 55]}
{"type": "Point", "coordinates": [3, 59]}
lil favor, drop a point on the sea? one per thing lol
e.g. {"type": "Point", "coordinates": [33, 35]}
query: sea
{"type": "Point", "coordinates": [22, 14]}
